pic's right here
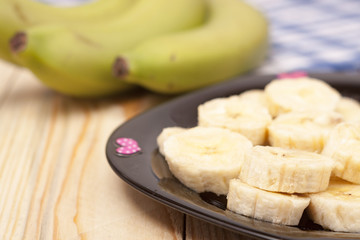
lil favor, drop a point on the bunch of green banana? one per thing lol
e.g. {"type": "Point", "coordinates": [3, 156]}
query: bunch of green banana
{"type": "Point", "coordinates": [16, 15]}
{"type": "Point", "coordinates": [232, 40]}
{"type": "Point", "coordinates": [76, 60]}
{"type": "Point", "coordinates": [165, 46]}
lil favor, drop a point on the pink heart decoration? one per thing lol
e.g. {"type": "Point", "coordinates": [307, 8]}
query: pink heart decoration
{"type": "Point", "coordinates": [292, 75]}
{"type": "Point", "coordinates": [127, 146]}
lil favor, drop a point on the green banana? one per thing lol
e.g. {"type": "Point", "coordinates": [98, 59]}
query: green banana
{"type": "Point", "coordinates": [16, 15]}
{"type": "Point", "coordinates": [77, 61]}
{"type": "Point", "coordinates": [232, 41]}
{"type": "Point", "coordinates": [35, 12]}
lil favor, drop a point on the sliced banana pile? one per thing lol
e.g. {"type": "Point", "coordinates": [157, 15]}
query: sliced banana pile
{"type": "Point", "coordinates": [276, 153]}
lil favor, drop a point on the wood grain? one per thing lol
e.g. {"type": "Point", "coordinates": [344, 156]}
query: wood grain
{"type": "Point", "coordinates": [55, 181]}
{"type": "Point", "coordinates": [199, 230]}
{"type": "Point", "coordinates": [54, 177]}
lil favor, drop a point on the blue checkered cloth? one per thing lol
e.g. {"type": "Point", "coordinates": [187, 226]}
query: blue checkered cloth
{"type": "Point", "coordinates": [312, 35]}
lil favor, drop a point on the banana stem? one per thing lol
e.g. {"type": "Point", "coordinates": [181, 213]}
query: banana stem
{"type": "Point", "coordinates": [18, 42]}
{"type": "Point", "coordinates": [120, 68]}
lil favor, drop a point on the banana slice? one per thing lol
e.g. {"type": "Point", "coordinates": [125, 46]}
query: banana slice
{"type": "Point", "coordinates": [268, 206]}
{"type": "Point", "coordinates": [239, 114]}
{"type": "Point", "coordinates": [306, 131]}
{"type": "Point", "coordinates": [349, 108]}
{"type": "Point", "coordinates": [343, 146]}
{"type": "Point", "coordinates": [165, 134]}
{"type": "Point", "coordinates": [286, 170]}
{"type": "Point", "coordinates": [337, 208]}
{"type": "Point", "coordinates": [206, 158]}
{"type": "Point", "coordinates": [255, 96]}
{"type": "Point", "coordinates": [286, 95]}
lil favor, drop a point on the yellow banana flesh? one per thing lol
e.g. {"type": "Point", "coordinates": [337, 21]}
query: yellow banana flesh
{"type": "Point", "coordinates": [232, 41]}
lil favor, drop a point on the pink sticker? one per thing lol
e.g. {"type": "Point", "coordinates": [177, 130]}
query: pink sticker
{"type": "Point", "coordinates": [292, 75]}
{"type": "Point", "coordinates": [127, 146]}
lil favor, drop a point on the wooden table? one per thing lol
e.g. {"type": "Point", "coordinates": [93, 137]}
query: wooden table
{"type": "Point", "coordinates": [54, 177]}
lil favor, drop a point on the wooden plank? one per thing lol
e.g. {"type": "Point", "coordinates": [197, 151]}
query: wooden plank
{"type": "Point", "coordinates": [54, 177]}
{"type": "Point", "coordinates": [200, 230]}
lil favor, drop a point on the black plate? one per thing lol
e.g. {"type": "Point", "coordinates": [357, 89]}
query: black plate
{"type": "Point", "coordinates": [147, 170]}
